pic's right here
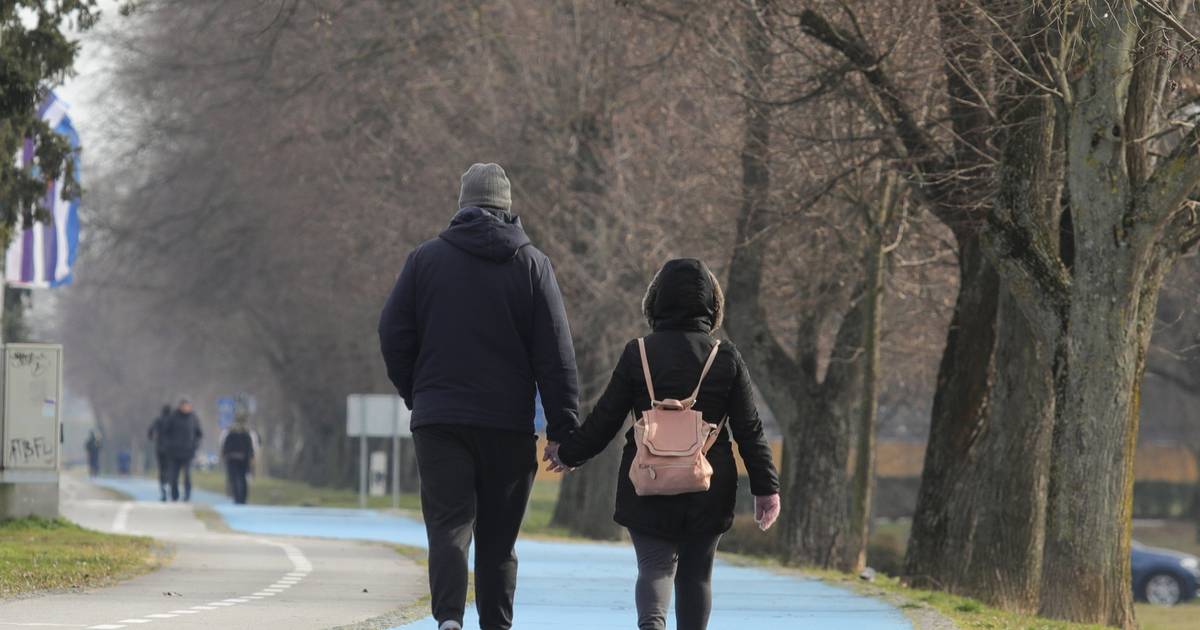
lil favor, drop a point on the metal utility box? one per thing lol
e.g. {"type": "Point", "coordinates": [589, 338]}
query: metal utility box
{"type": "Point", "coordinates": [30, 429]}
{"type": "Point", "coordinates": [32, 409]}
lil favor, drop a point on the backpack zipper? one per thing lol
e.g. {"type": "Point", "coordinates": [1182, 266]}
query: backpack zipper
{"type": "Point", "coordinates": [654, 474]}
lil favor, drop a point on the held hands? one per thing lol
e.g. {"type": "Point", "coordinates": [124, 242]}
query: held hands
{"type": "Point", "coordinates": [551, 455]}
{"type": "Point", "coordinates": [766, 510]}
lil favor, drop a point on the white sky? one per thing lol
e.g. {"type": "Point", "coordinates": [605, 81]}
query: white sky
{"type": "Point", "coordinates": [82, 92]}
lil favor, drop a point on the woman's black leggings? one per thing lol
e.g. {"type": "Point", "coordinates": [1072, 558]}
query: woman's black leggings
{"type": "Point", "coordinates": [687, 565]}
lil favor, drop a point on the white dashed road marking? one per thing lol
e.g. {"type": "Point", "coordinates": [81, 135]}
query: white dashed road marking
{"type": "Point", "coordinates": [121, 520]}
{"type": "Point", "coordinates": [301, 567]}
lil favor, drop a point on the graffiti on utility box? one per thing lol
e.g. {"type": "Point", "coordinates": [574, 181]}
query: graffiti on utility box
{"type": "Point", "coordinates": [23, 451]}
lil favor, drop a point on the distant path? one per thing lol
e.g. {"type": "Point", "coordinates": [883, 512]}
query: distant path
{"type": "Point", "coordinates": [589, 586]}
{"type": "Point", "coordinates": [220, 580]}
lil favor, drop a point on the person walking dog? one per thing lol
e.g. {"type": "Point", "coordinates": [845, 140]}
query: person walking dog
{"type": "Point", "coordinates": [677, 483]}
{"type": "Point", "coordinates": [474, 328]}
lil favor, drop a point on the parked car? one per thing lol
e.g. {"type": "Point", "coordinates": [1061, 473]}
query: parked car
{"type": "Point", "coordinates": [1164, 577]}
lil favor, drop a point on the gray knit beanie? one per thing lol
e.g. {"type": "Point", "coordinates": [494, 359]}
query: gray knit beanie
{"type": "Point", "coordinates": [485, 186]}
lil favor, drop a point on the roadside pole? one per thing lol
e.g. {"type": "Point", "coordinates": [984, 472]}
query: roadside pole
{"type": "Point", "coordinates": [396, 453]}
{"type": "Point", "coordinates": [362, 454]}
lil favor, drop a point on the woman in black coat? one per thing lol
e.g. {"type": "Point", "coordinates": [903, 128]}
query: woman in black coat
{"type": "Point", "coordinates": [675, 537]}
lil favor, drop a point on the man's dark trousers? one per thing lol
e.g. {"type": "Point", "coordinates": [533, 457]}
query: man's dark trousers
{"type": "Point", "coordinates": [236, 469]}
{"type": "Point", "coordinates": [474, 480]}
{"type": "Point", "coordinates": [164, 469]}
{"type": "Point", "coordinates": [178, 465]}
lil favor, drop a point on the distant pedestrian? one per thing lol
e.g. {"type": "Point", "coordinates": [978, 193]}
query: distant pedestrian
{"type": "Point", "coordinates": [237, 451]}
{"type": "Point", "coordinates": [93, 446]}
{"type": "Point", "coordinates": [124, 462]}
{"type": "Point", "coordinates": [181, 435]}
{"type": "Point", "coordinates": [156, 434]}
{"type": "Point", "coordinates": [679, 499]}
{"type": "Point", "coordinates": [474, 326]}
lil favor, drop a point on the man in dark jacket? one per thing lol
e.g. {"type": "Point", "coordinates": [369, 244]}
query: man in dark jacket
{"type": "Point", "coordinates": [474, 327]}
{"type": "Point", "coordinates": [155, 434]}
{"type": "Point", "coordinates": [181, 438]}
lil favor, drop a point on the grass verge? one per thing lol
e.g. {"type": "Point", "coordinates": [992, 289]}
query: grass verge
{"type": "Point", "coordinates": [274, 491]}
{"type": "Point", "coordinates": [271, 491]}
{"type": "Point", "coordinates": [43, 555]}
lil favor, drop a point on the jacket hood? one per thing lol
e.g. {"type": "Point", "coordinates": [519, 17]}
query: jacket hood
{"type": "Point", "coordinates": [684, 295]}
{"type": "Point", "coordinates": [493, 235]}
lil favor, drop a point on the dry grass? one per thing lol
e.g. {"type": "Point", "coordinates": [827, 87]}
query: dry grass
{"type": "Point", "coordinates": [44, 555]}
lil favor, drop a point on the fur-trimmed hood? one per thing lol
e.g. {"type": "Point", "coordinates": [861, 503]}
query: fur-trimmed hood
{"type": "Point", "coordinates": [684, 295]}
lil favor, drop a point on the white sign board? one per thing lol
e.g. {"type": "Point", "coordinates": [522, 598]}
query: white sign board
{"type": "Point", "coordinates": [382, 415]}
{"type": "Point", "coordinates": [32, 406]}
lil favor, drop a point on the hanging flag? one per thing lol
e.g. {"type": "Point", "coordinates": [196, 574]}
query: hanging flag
{"type": "Point", "coordinates": [42, 257]}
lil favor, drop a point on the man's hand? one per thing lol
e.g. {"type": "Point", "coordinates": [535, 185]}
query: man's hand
{"type": "Point", "coordinates": [551, 455]}
{"type": "Point", "coordinates": [766, 510]}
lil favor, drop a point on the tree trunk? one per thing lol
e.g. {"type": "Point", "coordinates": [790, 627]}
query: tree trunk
{"type": "Point", "coordinates": [1089, 511]}
{"type": "Point", "coordinates": [876, 221]}
{"type": "Point", "coordinates": [814, 488]}
{"type": "Point", "coordinates": [960, 405]}
{"type": "Point", "coordinates": [1196, 493]}
{"type": "Point", "coordinates": [813, 415]}
{"type": "Point", "coordinates": [586, 496]}
{"type": "Point", "coordinates": [1003, 495]}
{"type": "Point", "coordinates": [820, 433]}
{"type": "Point", "coordinates": [1006, 488]}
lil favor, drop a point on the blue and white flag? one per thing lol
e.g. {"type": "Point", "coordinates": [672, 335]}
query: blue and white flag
{"type": "Point", "coordinates": [42, 256]}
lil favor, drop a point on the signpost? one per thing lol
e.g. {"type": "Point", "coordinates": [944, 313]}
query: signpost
{"type": "Point", "coordinates": [226, 410]}
{"type": "Point", "coordinates": [30, 430]}
{"type": "Point", "coordinates": [377, 415]}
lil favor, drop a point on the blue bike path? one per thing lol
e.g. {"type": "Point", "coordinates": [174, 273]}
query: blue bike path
{"type": "Point", "coordinates": [583, 586]}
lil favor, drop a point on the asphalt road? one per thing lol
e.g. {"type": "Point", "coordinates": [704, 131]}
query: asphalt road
{"type": "Point", "coordinates": [222, 580]}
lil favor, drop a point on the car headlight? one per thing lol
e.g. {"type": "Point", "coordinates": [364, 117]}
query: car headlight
{"type": "Point", "coordinates": [1191, 564]}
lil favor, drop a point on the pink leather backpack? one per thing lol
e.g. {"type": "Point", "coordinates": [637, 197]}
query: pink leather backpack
{"type": "Point", "coordinates": [672, 441]}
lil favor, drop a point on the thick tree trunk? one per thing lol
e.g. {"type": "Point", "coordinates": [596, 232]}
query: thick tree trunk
{"type": "Point", "coordinates": [960, 406]}
{"type": "Point", "coordinates": [1003, 496]}
{"type": "Point", "coordinates": [820, 435]}
{"type": "Point", "coordinates": [1089, 510]}
{"type": "Point", "coordinates": [814, 488]}
{"type": "Point", "coordinates": [1196, 494]}
{"type": "Point", "coordinates": [1005, 492]}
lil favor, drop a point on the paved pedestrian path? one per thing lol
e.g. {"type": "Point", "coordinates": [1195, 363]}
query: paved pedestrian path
{"type": "Point", "coordinates": [583, 586]}
{"type": "Point", "coordinates": [220, 579]}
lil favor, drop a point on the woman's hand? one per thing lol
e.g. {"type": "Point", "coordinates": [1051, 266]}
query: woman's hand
{"type": "Point", "coordinates": [551, 455]}
{"type": "Point", "coordinates": [766, 510]}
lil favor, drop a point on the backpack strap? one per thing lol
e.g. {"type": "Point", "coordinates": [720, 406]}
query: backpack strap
{"type": "Point", "coordinates": [646, 369]}
{"type": "Point", "coordinates": [712, 437]}
{"type": "Point", "coordinates": [690, 400]}
{"type": "Point", "coordinates": [712, 356]}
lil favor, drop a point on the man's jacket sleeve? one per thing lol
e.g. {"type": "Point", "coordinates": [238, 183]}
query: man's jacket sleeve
{"type": "Point", "coordinates": [553, 357]}
{"type": "Point", "coordinates": [398, 332]}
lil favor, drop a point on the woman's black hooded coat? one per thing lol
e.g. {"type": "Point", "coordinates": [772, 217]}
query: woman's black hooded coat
{"type": "Point", "coordinates": [683, 306]}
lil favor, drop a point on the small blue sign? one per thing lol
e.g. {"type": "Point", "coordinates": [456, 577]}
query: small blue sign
{"type": "Point", "coordinates": [226, 408]}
